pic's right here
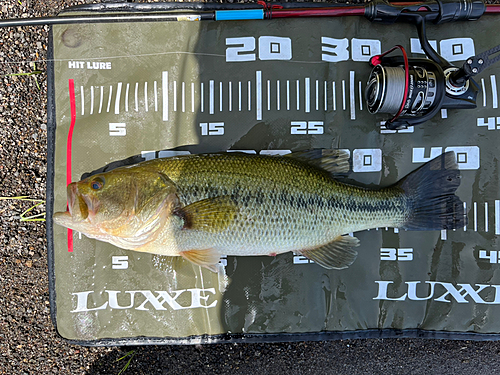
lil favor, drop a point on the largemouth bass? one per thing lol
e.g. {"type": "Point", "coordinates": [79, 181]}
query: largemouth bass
{"type": "Point", "coordinates": [203, 206]}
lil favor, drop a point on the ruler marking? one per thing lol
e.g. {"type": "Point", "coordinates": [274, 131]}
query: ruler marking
{"type": "Point", "coordinates": [175, 96]}
{"type": "Point", "coordinates": [484, 91]}
{"type": "Point", "coordinates": [278, 98]}
{"type": "Point", "coordinates": [486, 217]}
{"type": "Point", "coordinates": [334, 97]}
{"type": "Point", "coordinates": [183, 102]}
{"type": "Point", "coordinates": [117, 99]}
{"type": "Point", "coordinates": [146, 106]}
{"type": "Point", "coordinates": [360, 96]}
{"type": "Point", "coordinates": [298, 93]}
{"type": "Point", "coordinates": [211, 96]}
{"type": "Point", "coordinates": [352, 95]}
{"type": "Point", "coordinates": [343, 95]}
{"type": "Point", "coordinates": [249, 95]}
{"type": "Point", "coordinates": [192, 96]}
{"type": "Point", "coordinates": [326, 96]}
{"type": "Point", "coordinates": [287, 95]}
{"type": "Point", "coordinates": [202, 102]}
{"type": "Point", "coordinates": [258, 90]}
{"type": "Point", "coordinates": [317, 95]}
{"type": "Point", "coordinates": [155, 86]}
{"type": "Point", "coordinates": [136, 96]}
{"type": "Point", "coordinates": [239, 96]}
{"type": "Point", "coordinates": [443, 234]}
{"type": "Point", "coordinates": [307, 90]}
{"type": "Point", "coordinates": [230, 96]}
{"type": "Point", "coordinates": [92, 100]}
{"type": "Point", "coordinates": [164, 95]}
{"type": "Point", "coordinates": [475, 216]}
{"type": "Point", "coordinates": [497, 216]}
{"type": "Point", "coordinates": [465, 216]}
{"type": "Point", "coordinates": [109, 98]}
{"type": "Point", "coordinates": [100, 99]}
{"type": "Point", "coordinates": [268, 95]}
{"type": "Point", "coordinates": [494, 91]}
{"type": "Point", "coordinates": [220, 96]}
{"type": "Point", "coordinates": [82, 94]}
{"type": "Point", "coordinates": [126, 96]}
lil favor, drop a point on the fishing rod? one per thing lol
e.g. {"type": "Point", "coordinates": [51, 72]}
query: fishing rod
{"type": "Point", "coordinates": [437, 11]}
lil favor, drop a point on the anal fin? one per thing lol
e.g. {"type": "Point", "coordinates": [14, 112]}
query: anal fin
{"type": "Point", "coordinates": [337, 254]}
{"type": "Point", "coordinates": [205, 258]}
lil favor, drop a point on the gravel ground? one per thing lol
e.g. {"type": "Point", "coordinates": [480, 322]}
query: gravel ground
{"type": "Point", "coordinates": [28, 341]}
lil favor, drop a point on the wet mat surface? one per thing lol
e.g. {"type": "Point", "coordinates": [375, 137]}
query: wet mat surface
{"type": "Point", "coordinates": [268, 86]}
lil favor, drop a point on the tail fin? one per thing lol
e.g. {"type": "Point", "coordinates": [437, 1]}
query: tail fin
{"type": "Point", "coordinates": [431, 195]}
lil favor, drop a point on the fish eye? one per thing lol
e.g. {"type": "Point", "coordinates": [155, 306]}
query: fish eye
{"type": "Point", "coordinates": [97, 183]}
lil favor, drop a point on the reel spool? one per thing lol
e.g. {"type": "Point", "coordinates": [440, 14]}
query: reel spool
{"type": "Point", "coordinates": [386, 90]}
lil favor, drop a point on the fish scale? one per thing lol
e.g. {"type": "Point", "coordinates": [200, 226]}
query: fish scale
{"type": "Point", "coordinates": [284, 204]}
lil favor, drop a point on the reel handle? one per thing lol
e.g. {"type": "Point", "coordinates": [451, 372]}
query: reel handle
{"type": "Point", "coordinates": [436, 11]}
{"type": "Point", "coordinates": [475, 65]}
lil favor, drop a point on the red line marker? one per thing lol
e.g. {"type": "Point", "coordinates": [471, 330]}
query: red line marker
{"type": "Point", "coordinates": [72, 103]}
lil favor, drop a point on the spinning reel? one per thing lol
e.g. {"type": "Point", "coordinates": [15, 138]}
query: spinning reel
{"type": "Point", "coordinates": [413, 90]}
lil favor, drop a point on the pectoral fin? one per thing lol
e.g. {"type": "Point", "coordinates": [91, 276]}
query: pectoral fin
{"type": "Point", "coordinates": [211, 215]}
{"type": "Point", "coordinates": [337, 254]}
{"type": "Point", "coordinates": [206, 258]}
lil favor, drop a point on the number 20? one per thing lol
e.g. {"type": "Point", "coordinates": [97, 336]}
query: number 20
{"type": "Point", "coordinates": [270, 48]}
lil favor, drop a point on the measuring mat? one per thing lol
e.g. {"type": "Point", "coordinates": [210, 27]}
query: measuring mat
{"type": "Point", "coordinates": [126, 92]}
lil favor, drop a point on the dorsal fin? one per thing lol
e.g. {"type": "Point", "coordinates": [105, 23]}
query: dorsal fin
{"type": "Point", "coordinates": [335, 161]}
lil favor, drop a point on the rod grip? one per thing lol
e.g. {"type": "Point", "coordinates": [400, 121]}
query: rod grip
{"type": "Point", "coordinates": [436, 11]}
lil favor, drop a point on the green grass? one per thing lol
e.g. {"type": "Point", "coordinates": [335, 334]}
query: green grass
{"type": "Point", "coordinates": [28, 74]}
{"type": "Point", "coordinates": [36, 217]}
{"type": "Point", "coordinates": [130, 354]}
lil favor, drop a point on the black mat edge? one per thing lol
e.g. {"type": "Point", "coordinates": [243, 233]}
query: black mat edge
{"type": "Point", "coordinates": [291, 337]}
{"type": "Point", "coordinates": [51, 139]}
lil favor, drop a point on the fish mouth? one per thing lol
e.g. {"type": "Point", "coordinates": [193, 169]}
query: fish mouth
{"type": "Point", "coordinates": [79, 211]}
{"type": "Point", "coordinates": [78, 206]}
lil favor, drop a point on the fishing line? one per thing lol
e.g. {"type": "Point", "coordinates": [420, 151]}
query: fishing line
{"type": "Point", "coordinates": [117, 57]}
{"type": "Point", "coordinates": [148, 55]}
